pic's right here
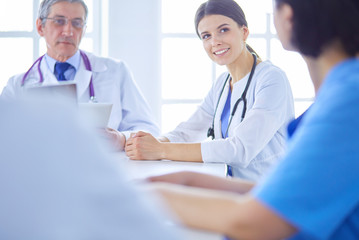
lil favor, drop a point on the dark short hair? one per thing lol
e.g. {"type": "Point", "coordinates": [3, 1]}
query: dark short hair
{"type": "Point", "coordinates": [318, 23]}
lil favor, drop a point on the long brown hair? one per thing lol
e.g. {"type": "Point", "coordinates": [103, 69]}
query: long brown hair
{"type": "Point", "coordinates": [228, 8]}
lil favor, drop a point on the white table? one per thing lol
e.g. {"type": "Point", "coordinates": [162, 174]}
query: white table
{"type": "Point", "coordinates": [143, 169]}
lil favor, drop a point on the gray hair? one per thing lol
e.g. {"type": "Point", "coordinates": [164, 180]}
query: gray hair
{"type": "Point", "coordinates": [46, 5]}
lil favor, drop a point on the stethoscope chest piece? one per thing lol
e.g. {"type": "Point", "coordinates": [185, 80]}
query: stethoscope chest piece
{"type": "Point", "coordinates": [210, 133]}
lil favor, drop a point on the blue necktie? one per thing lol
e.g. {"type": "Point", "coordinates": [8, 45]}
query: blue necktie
{"type": "Point", "coordinates": [60, 69]}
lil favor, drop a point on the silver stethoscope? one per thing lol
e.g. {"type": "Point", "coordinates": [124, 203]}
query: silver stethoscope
{"type": "Point", "coordinates": [210, 132]}
{"type": "Point", "coordinates": [87, 65]}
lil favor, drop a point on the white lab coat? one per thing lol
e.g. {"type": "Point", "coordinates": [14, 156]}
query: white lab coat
{"type": "Point", "coordinates": [255, 144]}
{"type": "Point", "coordinates": [113, 83]}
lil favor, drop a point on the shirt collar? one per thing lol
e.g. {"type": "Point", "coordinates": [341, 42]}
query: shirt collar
{"type": "Point", "coordinates": [75, 61]}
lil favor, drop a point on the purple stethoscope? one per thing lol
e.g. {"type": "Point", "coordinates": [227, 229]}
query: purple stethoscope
{"type": "Point", "coordinates": [87, 65]}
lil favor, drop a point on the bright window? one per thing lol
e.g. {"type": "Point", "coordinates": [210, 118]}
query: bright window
{"type": "Point", "coordinates": [20, 44]}
{"type": "Point", "coordinates": [187, 72]}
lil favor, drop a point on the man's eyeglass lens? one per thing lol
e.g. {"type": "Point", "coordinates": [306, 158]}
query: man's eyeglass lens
{"type": "Point", "coordinates": [76, 22]}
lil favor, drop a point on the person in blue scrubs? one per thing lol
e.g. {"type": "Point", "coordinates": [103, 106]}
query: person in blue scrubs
{"type": "Point", "coordinates": [314, 192]}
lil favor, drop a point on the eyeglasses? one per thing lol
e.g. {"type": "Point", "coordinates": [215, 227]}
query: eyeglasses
{"type": "Point", "coordinates": [62, 21]}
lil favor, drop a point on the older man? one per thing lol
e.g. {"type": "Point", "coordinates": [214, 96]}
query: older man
{"type": "Point", "coordinates": [62, 23]}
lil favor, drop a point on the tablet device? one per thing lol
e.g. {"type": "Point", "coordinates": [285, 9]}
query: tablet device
{"type": "Point", "coordinates": [96, 114]}
{"type": "Point", "coordinates": [62, 92]}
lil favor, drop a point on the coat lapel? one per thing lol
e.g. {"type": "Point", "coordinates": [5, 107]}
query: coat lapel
{"type": "Point", "coordinates": [34, 76]}
{"type": "Point", "coordinates": [83, 76]}
{"type": "Point", "coordinates": [217, 119]}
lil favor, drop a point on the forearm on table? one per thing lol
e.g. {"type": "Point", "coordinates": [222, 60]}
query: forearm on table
{"type": "Point", "coordinates": [219, 183]}
{"type": "Point", "coordinates": [239, 217]}
{"type": "Point", "coordinates": [190, 152]}
{"type": "Point", "coordinates": [196, 207]}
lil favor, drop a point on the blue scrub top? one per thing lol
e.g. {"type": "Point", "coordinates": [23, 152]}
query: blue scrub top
{"type": "Point", "coordinates": [316, 186]}
{"type": "Point", "coordinates": [225, 123]}
{"type": "Point", "coordinates": [226, 114]}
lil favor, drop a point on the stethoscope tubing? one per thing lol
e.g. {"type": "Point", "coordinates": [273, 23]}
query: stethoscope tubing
{"type": "Point", "coordinates": [38, 69]}
{"type": "Point", "coordinates": [242, 98]}
{"type": "Point", "coordinates": [87, 65]}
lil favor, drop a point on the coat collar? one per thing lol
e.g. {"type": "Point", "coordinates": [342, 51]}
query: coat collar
{"type": "Point", "coordinates": [82, 77]}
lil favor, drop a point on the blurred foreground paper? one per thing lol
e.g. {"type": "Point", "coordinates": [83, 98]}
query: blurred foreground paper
{"type": "Point", "coordinates": [58, 182]}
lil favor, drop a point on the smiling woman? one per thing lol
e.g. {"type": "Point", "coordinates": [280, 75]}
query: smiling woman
{"type": "Point", "coordinates": [313, 192]}
{"type": "Point", "coordinates": [179, 100]}
{"type": "Point", "coordinates": [246, 109]}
